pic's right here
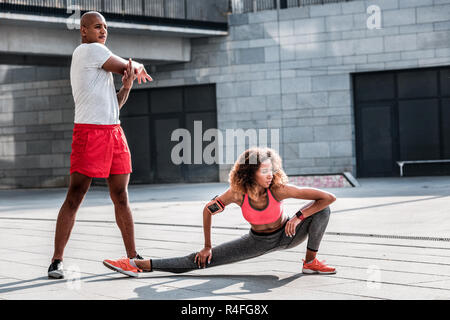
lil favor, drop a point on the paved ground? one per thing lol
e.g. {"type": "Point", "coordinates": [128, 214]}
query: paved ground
{"type": "Point", "coordinates": [389, 239]}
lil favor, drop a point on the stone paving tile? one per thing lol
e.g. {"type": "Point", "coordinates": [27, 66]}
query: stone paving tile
{"type": "Point", "coordinates": [435, 284]}
{"type": "Point", "coordinates": [387, 291]}
{"type": "Point", "coordinates": [57, 295]}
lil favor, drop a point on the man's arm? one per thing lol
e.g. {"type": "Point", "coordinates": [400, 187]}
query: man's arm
{"type": "Point", "coordinates": [118, 65]}
{"type": "Point", "coordinates": [127, 80]}
{"type": "Point", "coordinates": [122, 96]}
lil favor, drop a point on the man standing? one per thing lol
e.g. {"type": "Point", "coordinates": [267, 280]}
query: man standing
{"type": "Point", "coordinates": [99, 146]}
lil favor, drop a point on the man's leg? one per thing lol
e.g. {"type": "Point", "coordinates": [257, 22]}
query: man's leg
{"type": "Point", "coordinates": [79, 185]}
{"type": "Point", "coordinates": [118, 190]}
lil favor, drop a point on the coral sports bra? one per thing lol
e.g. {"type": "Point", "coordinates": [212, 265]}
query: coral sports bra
{"type": "Point", "coordinates": [271, 213]}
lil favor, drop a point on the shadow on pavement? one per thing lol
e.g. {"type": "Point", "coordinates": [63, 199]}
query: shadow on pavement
{"type": "Point", "coordinates": [26, 284]}
{"type": "Point", "coordinates": [204, 287]}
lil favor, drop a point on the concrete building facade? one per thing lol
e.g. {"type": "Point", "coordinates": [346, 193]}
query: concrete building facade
{"type": "Point", "coordinates": [292, 69]}
{"type": "Point", "coordinates": [288, 69]}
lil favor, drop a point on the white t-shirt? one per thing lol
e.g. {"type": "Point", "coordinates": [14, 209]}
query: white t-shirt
{"type": "Point", "coordinates": [93, 87]}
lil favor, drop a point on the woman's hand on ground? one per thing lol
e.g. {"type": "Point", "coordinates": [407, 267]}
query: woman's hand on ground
{"type": "Point", "coordinates": [291, 225]}
{"type": "Point", "coordinates": [203, 256]}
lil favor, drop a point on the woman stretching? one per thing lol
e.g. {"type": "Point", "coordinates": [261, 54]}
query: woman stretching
{"type": "Point", "coordinates": [258, 185]}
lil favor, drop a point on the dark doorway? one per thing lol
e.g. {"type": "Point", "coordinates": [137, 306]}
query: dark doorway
{"type": "Point", "coordinates": [149, 118]}
{"type": "Point", "coordinates": [402, 115]}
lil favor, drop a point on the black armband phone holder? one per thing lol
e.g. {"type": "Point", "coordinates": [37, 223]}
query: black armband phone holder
{"type": "Point", "coordinates": [215, 206]}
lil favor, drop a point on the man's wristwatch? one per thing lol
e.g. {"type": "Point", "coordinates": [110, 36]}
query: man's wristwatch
{"type": "Point", "coordinates": [299, 215]}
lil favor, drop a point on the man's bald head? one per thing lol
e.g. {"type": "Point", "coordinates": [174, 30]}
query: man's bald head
{"type": "Point", "coordinates": [91, 17]}
{"type": "Point", "coordinates": [93, 27]}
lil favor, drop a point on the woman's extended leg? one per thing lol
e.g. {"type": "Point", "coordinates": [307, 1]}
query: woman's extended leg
{"type": "Point", "coordinates": [247, 247]}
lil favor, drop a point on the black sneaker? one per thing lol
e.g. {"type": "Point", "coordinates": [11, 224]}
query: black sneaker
{"type": "Point", "coordinates": [138, 257]}
{"type": "Point", "coordinates": [56, 270]}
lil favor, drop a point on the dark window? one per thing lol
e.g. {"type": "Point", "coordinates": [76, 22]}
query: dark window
{"type": "Point", "coordinates": [151, 115]}
{"type": "Point", "coordinates": [402, 115]}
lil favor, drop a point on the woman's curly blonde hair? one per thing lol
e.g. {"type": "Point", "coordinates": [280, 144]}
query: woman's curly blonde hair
{"type": "Point", "coordinates": [242, 175]}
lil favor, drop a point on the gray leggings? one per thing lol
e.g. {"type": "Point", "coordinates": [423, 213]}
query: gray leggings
{"type": "Point", "coordinates": [253, 245]}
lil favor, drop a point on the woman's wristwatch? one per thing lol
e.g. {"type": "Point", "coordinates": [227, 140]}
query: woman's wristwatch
{"type": "Point", "coordinates": [299, 215]}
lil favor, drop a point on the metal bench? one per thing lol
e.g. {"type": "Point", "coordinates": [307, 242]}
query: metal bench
{"type": "Point", "coordinates": [402, 163]}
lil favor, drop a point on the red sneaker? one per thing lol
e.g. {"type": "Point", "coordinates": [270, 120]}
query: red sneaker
{"type": "Point", "coordinates": [122, 266]}
{"type": "Point", "coordinates": [317, 266]}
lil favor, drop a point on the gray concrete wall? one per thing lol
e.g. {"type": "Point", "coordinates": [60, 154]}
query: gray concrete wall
{"type": "Point", "coordinates": [46, 39]}
{"type": "Point", "coordinates": [292, 70]}
{"type": "Point", "coordinates": [36, 121]}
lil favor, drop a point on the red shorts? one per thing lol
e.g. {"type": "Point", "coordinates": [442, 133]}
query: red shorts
{"type": "Point", "coordinates": [99, 150]}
